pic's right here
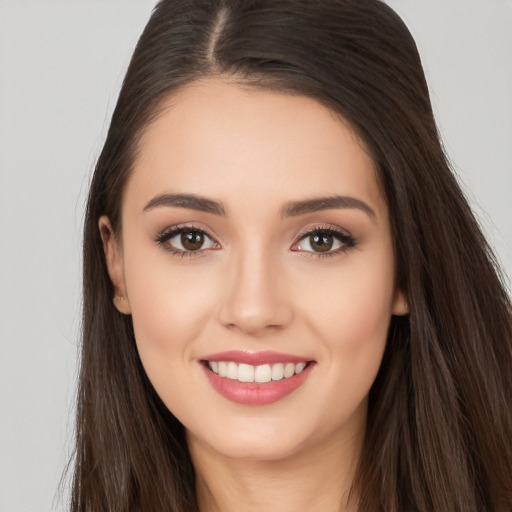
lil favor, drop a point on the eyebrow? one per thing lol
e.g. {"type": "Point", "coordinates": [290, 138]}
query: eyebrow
{"type": "Point", "coordinates": [291, 209]}
{"type": "Point", "coordinates": [296, 208]}
{"type": "Point", "coordinates": [187, 201]}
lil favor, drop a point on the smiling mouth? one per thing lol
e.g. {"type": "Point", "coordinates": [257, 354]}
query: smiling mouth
{"type": "Point", "coordinates": [259, 374]}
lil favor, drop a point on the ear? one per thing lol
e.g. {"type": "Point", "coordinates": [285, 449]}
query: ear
{"type": "Point", "coordinates": [115, 267]}
{"type": "Point", "coordinates": [400, 304]}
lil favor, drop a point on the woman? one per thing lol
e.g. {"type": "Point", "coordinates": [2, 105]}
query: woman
{"type": "Point", "coordinates": [287, 301]}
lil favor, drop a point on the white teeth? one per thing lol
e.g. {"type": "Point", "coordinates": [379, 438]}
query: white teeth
{"type": "Point", "coordinates": [263, 373]}
{"type": "Point", "coordinates": [245, 373]}
{"type": "Point", "coordinates": [299, 367]}
{"type": "Point", "coordinates": [289, 370]}
{"type": "Point", "coordinates": [232, 371]}
{"type": "Point", "coordinates": [249, 373]}
{"type": "Point", "coordinates": [277, 371]}
{"type": "Point", "coordinates": [223, 368]}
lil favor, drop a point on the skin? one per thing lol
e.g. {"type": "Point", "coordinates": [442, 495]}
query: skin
{"type": "Point", "coordinates": [258, 286]}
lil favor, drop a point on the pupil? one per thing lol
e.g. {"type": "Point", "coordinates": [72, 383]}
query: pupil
{"type": "Point", "coordinates": [192, 241]}
{"type": "Point", "coordinates": [321, 243]}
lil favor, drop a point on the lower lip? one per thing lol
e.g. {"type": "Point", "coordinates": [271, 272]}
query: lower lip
{"type": "Point", "coordinates": [252, 393]}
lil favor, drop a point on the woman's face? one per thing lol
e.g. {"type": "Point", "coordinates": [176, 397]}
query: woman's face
{"type": "Point", "coordinates": [257, 263]}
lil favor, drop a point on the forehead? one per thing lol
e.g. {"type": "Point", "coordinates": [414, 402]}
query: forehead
{"type": "Point", "coordinates": [218, 139]}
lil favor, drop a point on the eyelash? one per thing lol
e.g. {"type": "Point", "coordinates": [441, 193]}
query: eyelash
{"type": "Point", "coordinates": [173, 231]}
{"type": "Point", "coordinates": [347, 240]}
{"type": "Point", "coordinates": [343, 237]}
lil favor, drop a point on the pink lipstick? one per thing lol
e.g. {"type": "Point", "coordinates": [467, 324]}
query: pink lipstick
{"type": "Point", "coordinates": [255, 378]}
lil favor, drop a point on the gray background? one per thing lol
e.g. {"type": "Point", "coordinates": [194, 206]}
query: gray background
{"type": "Point", "coordinates": [61, 66]}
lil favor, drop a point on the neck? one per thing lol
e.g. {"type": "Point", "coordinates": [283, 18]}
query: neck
{"type": "Point", "coordinates": [316, 480]}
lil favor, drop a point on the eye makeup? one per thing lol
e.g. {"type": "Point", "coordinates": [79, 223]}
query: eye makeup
{"type": "Point", "coordinates": [188, 240]}
{"type": "Point", "coordinates": [323, 241]}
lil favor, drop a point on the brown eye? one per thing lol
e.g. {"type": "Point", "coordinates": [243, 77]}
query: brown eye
{"type": "Point", "coordinates": [192, 240]}
{"type": "Point", "coordinates": [181, 240]}
{"type": "Point", "coordinates": [324, 241]}
{"type": "Point", "coordinates": [321, 242]}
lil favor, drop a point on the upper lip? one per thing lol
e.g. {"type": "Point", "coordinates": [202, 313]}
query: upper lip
{"type": "Point", "coordinates": [255, 358]}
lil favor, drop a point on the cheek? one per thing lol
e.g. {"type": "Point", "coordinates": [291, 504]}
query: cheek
{"type": "Point", "coordinates": [367, 305]}
{"type": "Point", "coordinates": [351, 317]}
{"type": "Point", "coordinates": [354, 304]}
{"type": "Point", "coordinates": [170, 305]}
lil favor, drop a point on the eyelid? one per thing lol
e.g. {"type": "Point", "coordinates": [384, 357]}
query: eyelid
{"type": "Point", "coordinates": [170, 232]}
{"type": "Point", "coordinates": [329, 228]}
{"type": "Point", "coordinates": [342, 235]}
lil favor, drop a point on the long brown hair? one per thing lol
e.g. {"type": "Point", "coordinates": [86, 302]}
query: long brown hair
{"type": "Point", "coordinates": [439, 432]}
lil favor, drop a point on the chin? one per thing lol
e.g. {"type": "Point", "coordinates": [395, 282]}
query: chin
{"type": "Point", "coordinates": [263, 450]}
{"type": "Point", "coordinates": [263, 439]}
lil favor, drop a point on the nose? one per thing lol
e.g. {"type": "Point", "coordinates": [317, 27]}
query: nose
{"type": "Point", "coordinates": [254, 299]}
